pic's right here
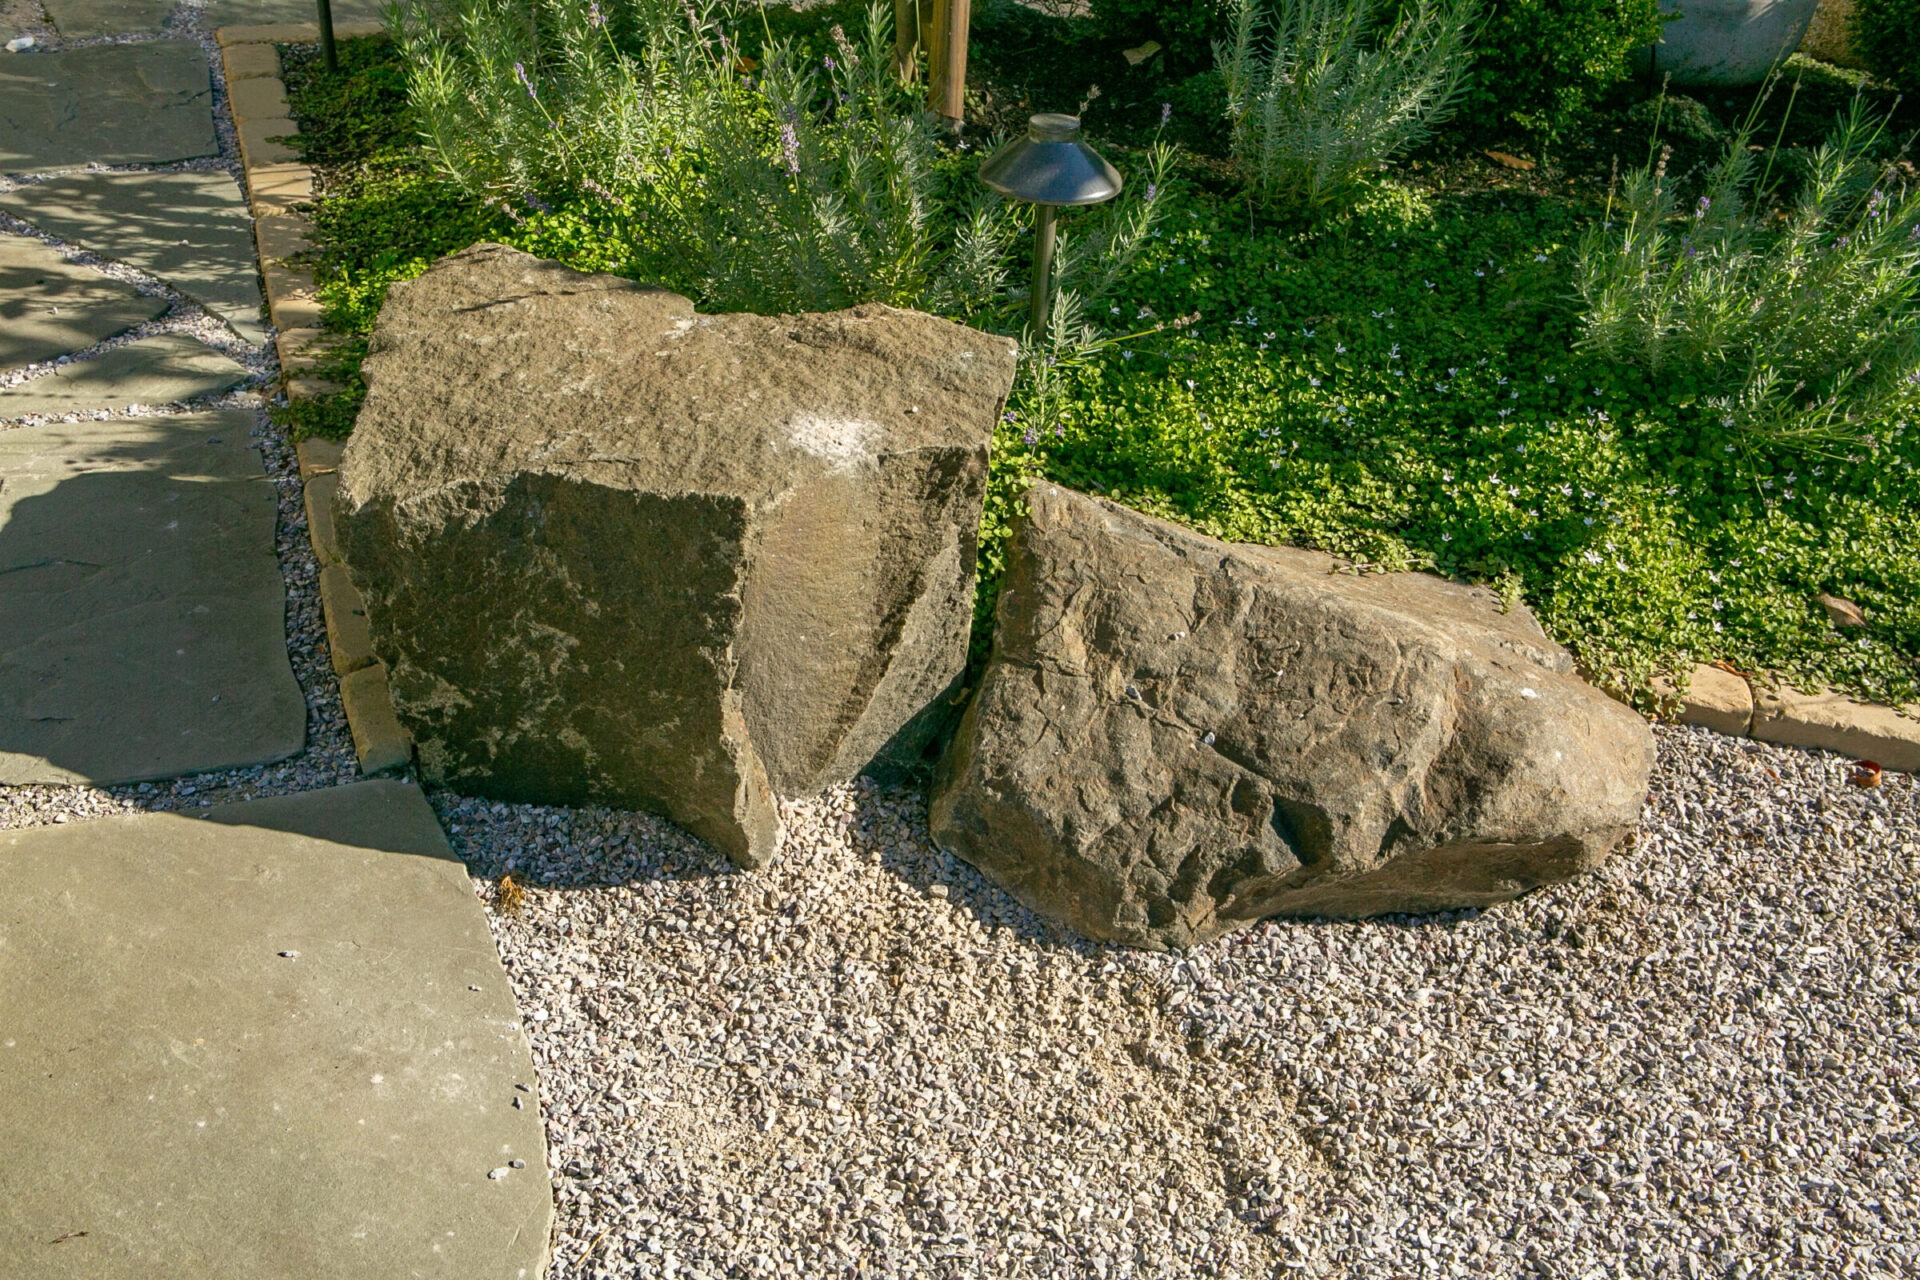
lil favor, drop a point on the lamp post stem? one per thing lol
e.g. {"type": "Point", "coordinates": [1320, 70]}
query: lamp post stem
{"type": "Point", "coordinates": [327, 50]}
{"type": "Point", "coordinates": [1042, 269]}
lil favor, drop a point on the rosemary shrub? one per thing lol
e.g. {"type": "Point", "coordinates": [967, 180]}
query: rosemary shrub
{"type": "Point", "coordinates": [1797, 321]}
{"type": "Point", "coordinates": [1319, 97]}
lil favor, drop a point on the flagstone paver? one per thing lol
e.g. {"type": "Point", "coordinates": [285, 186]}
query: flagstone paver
{"type": "Point", "coordinates": [168, 368]}
{"type": "Point", "coordinates": [81, 19]}
{"type": "Point", "coordinates": [141, 604]}
{"type": "Point", "coordinates": [275, 1039]}
{"type": "Point", "coordinates": [190, 230]}
{"type": "Point", "coordinates": [51, 307]}
{"type": "Point", "coordinates": [274, 1042]}
{"type": "Point", "coordinates": [109, 104]}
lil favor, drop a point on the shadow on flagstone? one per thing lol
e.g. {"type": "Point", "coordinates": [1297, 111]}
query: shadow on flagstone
{"type": "Point", "coordinates": [52, 307]}
{"type": "Point", "coordinates": [148, 103]}
{"type": "Point", "coordinates": [191, 230]}
{"type": "Point", "coordinates": [142, 609]}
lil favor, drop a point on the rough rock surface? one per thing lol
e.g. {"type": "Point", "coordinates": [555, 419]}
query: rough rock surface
{"type": "Point", "coordinates": [1176, 737]}
{"type": "Point", "coordinates": [616, 551]}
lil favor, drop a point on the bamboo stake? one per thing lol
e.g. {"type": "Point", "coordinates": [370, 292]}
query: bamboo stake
{"type": "Point", "coordinates": [948, 92]}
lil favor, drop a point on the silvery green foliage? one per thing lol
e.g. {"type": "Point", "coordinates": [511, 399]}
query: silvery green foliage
{"type": "Point", "coordinates": [1319, 98]}
{"type": "Point", "coordinates": [772, 186]}
{"type": "Point", "coordinates": [1799, 322]}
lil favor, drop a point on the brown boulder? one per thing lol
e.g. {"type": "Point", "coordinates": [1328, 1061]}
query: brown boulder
{"type": "Point", "coordinates": [1177, 736]}
{"type": "Point", "coordinates": [619, 552]}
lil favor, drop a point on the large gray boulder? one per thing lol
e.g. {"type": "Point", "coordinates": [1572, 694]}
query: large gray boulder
{"type": "Point", "coordinates": [1176, 736]}
{"type": "Point", "coordinates": [619, 552]}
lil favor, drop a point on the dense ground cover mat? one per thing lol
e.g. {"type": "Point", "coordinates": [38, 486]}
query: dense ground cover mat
{"type": "Point", "coordinates": [1404, 383]}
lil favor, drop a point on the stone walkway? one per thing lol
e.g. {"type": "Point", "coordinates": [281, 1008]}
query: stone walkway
{"type": "Point", "coordinates": [272, 1038]}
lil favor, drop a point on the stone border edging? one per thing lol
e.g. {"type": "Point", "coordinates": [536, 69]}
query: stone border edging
{"type": "Point", "coordinates": [276, 182]}
{"type": "Point", "coordinates": [1732, 704]}
{"type": "Point", "coordinates": [380, 741]}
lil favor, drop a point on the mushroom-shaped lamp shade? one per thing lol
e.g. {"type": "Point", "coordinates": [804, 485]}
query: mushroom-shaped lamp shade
{"type": "Point", "coordinates": [1051, 166]}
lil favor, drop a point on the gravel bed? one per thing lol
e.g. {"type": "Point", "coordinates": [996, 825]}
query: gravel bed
{"type": "Point", "coordinates": [867, 1061]}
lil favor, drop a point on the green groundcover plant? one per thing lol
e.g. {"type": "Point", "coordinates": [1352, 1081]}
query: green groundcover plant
{"type": "Point", "coordinates": [1186, 29]}
{"type": "Point", "coordinates": [1542, 66]}
{"type": "Point", "coordinates": [1406, 383]}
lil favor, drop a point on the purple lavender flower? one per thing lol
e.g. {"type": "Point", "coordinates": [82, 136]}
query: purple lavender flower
{"type": "Point", "coordinates": [829, 63]}
{"type": "Point", "coordinates": [790, 148]}
{"type": "Point", "coordinates": [1700, 209]}
{"type": "Point", "coordinates": [1030, 437]}
{"type": "Point", "coordinates": [1166, 113]}
{"type": "Point", "coordinates": [1153, 190]}
{"type": "Point", "coordinates": [595, 17]}
{"type": "Point", "coordinates": [520, 74]}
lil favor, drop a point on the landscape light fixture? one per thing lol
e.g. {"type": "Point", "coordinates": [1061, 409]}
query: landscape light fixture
{"type": "Point", "coordinates": [1050, 169]}
{"type": "Point", "coordinates": [327, 53]}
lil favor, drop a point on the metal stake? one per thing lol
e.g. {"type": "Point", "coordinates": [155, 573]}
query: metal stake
{"type": "Point", "coordinates": [327, 51]}
{"type": "Point", "coordinates": [1043, 215]}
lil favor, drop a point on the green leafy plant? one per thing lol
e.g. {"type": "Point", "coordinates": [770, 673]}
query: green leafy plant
{"type": "Point", "coordinates": [1404, 385]}
{"type": "Point", "coordinates": [1542, 66]}
{"type": "Point", "coordinates": [1324, 98]}
{"type": "Point", "coordinates": [1799, 325]}
{"type": "Point", "coordinates": [782, 182]}
{"type": "Point", "coordinates": [1886, 35]}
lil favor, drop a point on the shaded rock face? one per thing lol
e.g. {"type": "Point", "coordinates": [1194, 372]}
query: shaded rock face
{"type": "Point", "coordinates": [1176, 736]}
{"type": "Point", "coordinates": [617, 552]}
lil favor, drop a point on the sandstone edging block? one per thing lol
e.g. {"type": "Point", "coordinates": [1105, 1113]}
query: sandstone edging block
{"type": "Point", "coordinates": [293, 32]}
{"type": "Point", "coordinates": [276, 183]}
{"type": "Point", "coordinates": [348, 634]}
{"type": "Point", "coordinates": [1769, 711]}
{"type": "Point", "coordinates": [250, 61]}
{"type": "Point", "coordinates": [380, 741]}
{"type": "Point", "coordinates": [1834, 722]}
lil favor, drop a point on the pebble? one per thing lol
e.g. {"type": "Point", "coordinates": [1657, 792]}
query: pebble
{"type": "Point", "coordinates": [1707, 1049]}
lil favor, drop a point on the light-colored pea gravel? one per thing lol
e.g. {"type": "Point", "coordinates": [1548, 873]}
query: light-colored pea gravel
{"type": "Point", "coordinates": [867, 1061]}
